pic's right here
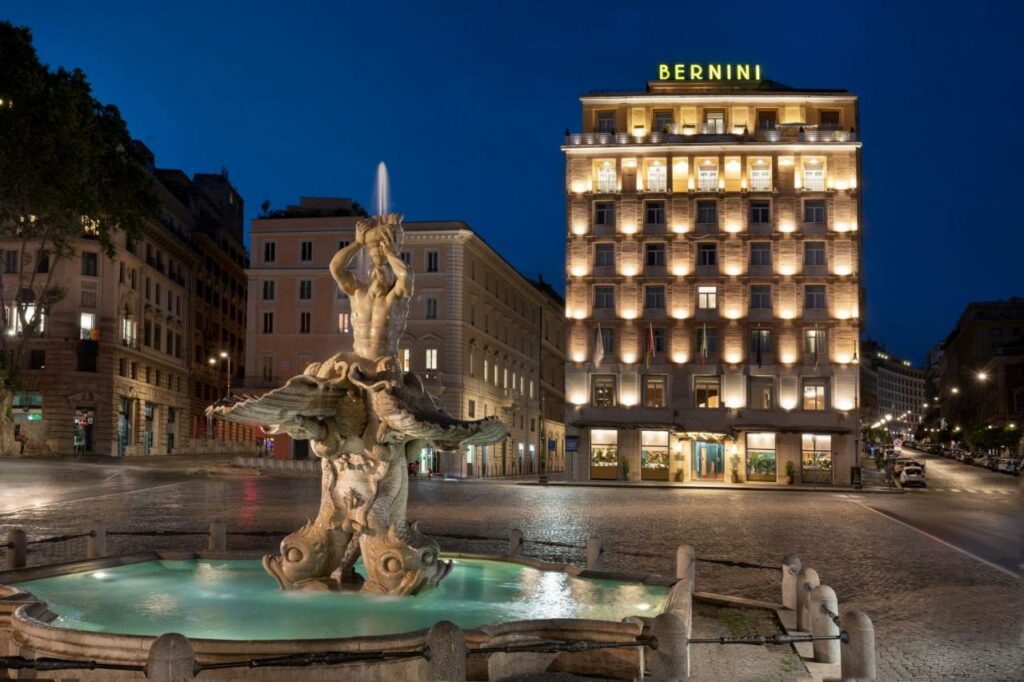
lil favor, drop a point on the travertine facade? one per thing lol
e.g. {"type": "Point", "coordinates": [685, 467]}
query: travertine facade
{"type": "Point", "coordinates": [713, 252]}
{"type": "Point", "coordinates": [473, 331]}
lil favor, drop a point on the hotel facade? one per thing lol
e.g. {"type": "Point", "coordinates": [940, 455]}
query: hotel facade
{"type": "Point", "coordinates": [713, 283]}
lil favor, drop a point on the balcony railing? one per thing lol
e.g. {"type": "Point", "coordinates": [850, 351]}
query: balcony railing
{"type": "Point", "coordinates": [786, 134]}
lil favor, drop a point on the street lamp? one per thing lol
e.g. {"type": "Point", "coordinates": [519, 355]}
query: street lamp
{"type": "Point", "coordinates": [982, 376]}
{"type": "Point", "coordinates": [224, 355]}
{"type": "Point", "coordinates": [955, 390]}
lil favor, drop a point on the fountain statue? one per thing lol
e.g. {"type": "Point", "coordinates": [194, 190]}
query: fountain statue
{"type": "Point", "coordinates": [365, 419]}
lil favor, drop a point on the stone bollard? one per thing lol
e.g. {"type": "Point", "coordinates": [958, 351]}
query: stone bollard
{"type": "Point", "coordinates": [96, 543]}
{"type": "Point", "coordinates": [790, 567]}
{"type": "Point", "coordinates": [515, 542]}
{"type": "Point", "coordinates": [857, 653]}
{"type": "Point", "coordinates": [595, 554]}
{"type": "Point", "coordinates": [171, 659]}
{"type": "Point", "coordinates": [686, 565]}
{"type": "Point", "coordinates": [447, 646]}
{"type": "Point", "coordinates": [218, 536]}
{"type": "Point", "coordinates": [806, 580]}
{"type": "Point", "coordinates": [17, 549]}
{"type": "Point", "coordinates": [670, 661]}
{"type": "Point", "coordinates": [824, 597]}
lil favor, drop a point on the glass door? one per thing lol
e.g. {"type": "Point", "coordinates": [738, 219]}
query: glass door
{"type": "Point", "coordinates": [708, 461]}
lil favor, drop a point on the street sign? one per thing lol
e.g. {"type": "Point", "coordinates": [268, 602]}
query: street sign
{"type": "Point", "coordinates": [897, 443]}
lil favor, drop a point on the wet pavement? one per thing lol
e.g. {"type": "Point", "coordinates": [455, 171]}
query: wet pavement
{"type": "Point", "coordinates": [939, 612]}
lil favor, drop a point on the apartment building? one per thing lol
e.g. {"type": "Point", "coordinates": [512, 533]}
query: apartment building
{"type": "Point", "coordinates": [892, 390]}
{"type": "Point", "coordinates": [713, 294]}
{"type": "Point", "coordinates": [475, 334]}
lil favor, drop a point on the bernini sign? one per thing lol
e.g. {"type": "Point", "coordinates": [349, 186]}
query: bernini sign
{"type": "Point", "coordinates": [709, 72]}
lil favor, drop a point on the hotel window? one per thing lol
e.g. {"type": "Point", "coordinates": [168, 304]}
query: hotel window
{"type": "Point", "coordinates": [606, 181]}
{"type": "Point", "coordinates": [814, 341]}
{"type": "Point", "coordinates": [269, 252]}
{"type": "Point", "coordinates": [760, 212]}
{"type": "Point", "coordinates": [761, 297]}
{"type": "Point", "coordinates": [655, 255]}
{"type": "Point", "coordinates": [606, 121]}
{"type": "Point", "coordinates": [433, 261]}
{"type": "Point", "coordinates": [828, 120]}
{"type": "Point", "coordinates": [760, 177]}
{"type": "Point", "coordinates": [604, 213]}
{"type": "Point", "coordinates": [707, 341]}
{"type": "Point", "coordinates": [662, 122]}
{"type": "Point", "coordinates": [705, 392]}
{"type": "Point", "coordinates": [604, 450]}
{"type": "Point", "coordinates": [306, 251]}
{"type": "Point", "coordinates": [816, 458]}
{"type": "Point", "coordinates": [762, 393]}
{"type": "Point", "coordinates": [814, 176]}
{"type": "Point", "coordinates": [406, 257]}
{"type": "Point", "coordinates": [657, 177]}
{"type": "Point", "coordinates": [608, 340]}
{"type": "Point", "coordinates": [766, 119]}
{"type": "Point", "coordinates": [707, 298]}
{"type": "Point", "coordinates": [707, 178]}
{"type": "Point", "coordinates": [761, 457]}
{"type": "Point", "coordinates": [604, 298]}
{"type": "Point", "coordinates": [604, 255]}
{"type": "Point", "coordinates": [814, 253]}
{"type": "Point", "coordinates": [87, 322]}
{"type": "Point", "coordinates": [431, 359]}
{"type": "Point", "coordinates": [604, 390]}
{"type": "Point", "coordinates": [654, 213]}
{"type": "Point", "coordinates": [659, 340]}
{"type": "Point", "coordinates": [304, 322]}
{"type": "Point", "coordinates": [814, 211]}
{"type": "Point", "coordinates": [268, 323]}
{"type": "Point", "coordinates": [471, 411]}
{"type": "Point", "coordinates": [760, 341]}
{"type": "Point", "coordinates": [814, 297]}
{"type": "Point", "coordinates": [714, 122]}
{"type": "Point", "coordinates": [707, 212]}
{"type": "Point", "coordinates": [707, 254]}
{"type": "Point", "coordinates": [305, 289]}
{"type": "Point", "coordinates": [814, 394]}
{"type": "Point", "coordinates": [654, 391]}
{"type": "Point", "coordinates": [90, 263]}
{"type": "Point", "coordinates": [760, 253]}
{"type": "Point", "coordinates": [654, 298]}
{"type": "Point", "coordinates": [431, 312]}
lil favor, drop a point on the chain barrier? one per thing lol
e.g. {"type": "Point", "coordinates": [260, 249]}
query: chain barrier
{"type": "Point", "coordinates": [552, 647]}
{"type": "Point", "coordinates": [762, 640]}
{"type": "Point", "coordinates": [322, 658]}
{"type": "Point", "coordinates": [22, 663]}
{"type": "Point", "coordinates": [833, 616]}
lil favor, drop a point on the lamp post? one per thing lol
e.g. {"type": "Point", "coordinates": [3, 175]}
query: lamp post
{"type": "Point", "coordinates": [223, 355]}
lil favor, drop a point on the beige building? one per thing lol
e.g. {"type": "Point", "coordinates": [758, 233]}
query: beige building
{"type": "Point", "coordinates": [474, 333]}
{"type": "Point", "coordinates": [713, 296]}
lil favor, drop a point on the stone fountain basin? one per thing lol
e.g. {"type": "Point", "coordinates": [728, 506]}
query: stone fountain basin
{"type": "Point", "coordinates": [112, 609]}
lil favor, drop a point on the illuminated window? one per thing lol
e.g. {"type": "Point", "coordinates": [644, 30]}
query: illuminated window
{"type": "Point", "coordinates": [707, 178]}
{"type": "Point", "coordinates": [431, 359]}
{"type": "Point", "coordinates": [761, 457]}
{"type": "Point", "coordinates": [761, 179]}
{"type": "Point", "coordinates": [814, 176]}
{"type": "Point", "coordinates": [762, 393]}
{"type": "Point", "coordinates": [816, 458]}
{"type": "Point", "coordinates": [604, 449]}
{"type": "Point", "coordinates": [654, 391]}
{"type": "Point", "coordinates": [657, 178]}
{"type": "Point", "coordinates": [404, 355]}
{"type": "Point", "coordinates": [87, 322]}
{"type": "Point", "coordinates": [814, 341]}
{"type": "Point", "coordinates": [606, 181]}
{"type": "Point", "coordinates": [14, 320]}
{"type": "Point", "coordinates": [707, 297]}
{"type": "Point", "coordinates": [344, 323]}
{"type": "Point", "coordinates": [706, 392]}
{"type": "Point", "coordinates": [714, 123]}
{"type": "Point", "coordinates": [485, 369]}
{"type": "Point", "coordinates": [603, 390]}
{"type": "Point", "coordinates": [814, 394]}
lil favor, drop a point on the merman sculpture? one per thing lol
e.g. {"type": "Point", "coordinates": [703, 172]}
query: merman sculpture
{"type": "Point", "coordinates": [364, 418]}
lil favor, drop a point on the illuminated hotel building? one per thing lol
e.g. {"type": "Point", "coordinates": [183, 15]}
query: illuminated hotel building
{"type": "Point", "coordinates": [713, 293]}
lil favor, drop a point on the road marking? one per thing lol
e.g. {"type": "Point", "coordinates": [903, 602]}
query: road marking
{"type": "Point", "coordinates": [954, 490]}
{"type": "Point", "coordinates": [938, 539]}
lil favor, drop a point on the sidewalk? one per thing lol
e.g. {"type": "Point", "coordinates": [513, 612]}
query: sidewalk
{"type": "Point", "coordinates": [738, 487]}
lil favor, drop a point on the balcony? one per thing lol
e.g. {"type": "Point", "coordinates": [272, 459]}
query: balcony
{"type": "Point", "coordinates": [704, 134]}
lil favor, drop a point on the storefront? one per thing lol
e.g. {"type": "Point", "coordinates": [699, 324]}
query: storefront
{"type": "Point", "coordinates": [708, 461]}
{"type": "Point", "coordinates": [762, 463]}
{"type": "Point", "coordinates": [604, 454]}
{"type": "Point", "coordinates": [816, 459]}
{"type": "Point", "coordinates": [654, 456]}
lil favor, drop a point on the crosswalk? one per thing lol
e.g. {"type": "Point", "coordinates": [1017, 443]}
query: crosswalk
{"type": "Point", "coordinates": [968, 491]}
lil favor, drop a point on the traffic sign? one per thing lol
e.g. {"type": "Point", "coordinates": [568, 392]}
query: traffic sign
{"type": "Point", "coordinates": [897, 443]}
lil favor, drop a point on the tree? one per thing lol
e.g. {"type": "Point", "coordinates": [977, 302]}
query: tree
{"type": "Point", "coordinates": [68, 170]}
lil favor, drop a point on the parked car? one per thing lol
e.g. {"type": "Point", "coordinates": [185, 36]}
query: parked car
{"type": "Point", "coordinates": [1008, 465]}
{"type": "Point", "coordinates": [981, 461]}
{"type": "Point", "coordinates": [966, 457]}
{"type": "Point", "coordinates": [904, 462]}
{"type": "Point", "coordinates": [912, 475]}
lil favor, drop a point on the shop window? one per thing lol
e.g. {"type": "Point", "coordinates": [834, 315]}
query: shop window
{"type": "Point", "coordinates": [761, 460]}
{"type": "Point", "coordinates": [816, 458]}
{"type": "Point", "coordinates": [604, 390]}
{"type": "Point", "coordinates": [604, 453]}
{"type": "Point", "coordinates": [706, 392]}
{"type": "Point", "coordinates": [654, 391]}
{"type": "Point", "coordinates": [762, 393]}
{"type": "Point", "coordinates": [654, 455]}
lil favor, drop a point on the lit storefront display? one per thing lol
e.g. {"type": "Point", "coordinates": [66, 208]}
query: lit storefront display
{"type": "Point", "coordinates": [708, 462]}
{"type": "Point", "coordinates": [816, 458]}
{"type": "Point", "coordinates": [654, 455]}
{"type": "Point", "coordinates": [604, 454]}
{"type": "Point", "coordinates": [761, 459]}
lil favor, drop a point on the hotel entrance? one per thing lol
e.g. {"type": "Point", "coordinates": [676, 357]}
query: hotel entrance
{"type": "Point", "coordinates": [708, 461]}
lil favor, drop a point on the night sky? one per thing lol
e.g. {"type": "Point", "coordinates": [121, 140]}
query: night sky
{"type": "Point", "coordinates": [467, 103]}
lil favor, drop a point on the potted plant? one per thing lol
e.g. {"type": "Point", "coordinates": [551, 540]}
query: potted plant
{"type": "Point", "coordinates": [734, 462]}
{"type": "Point", "coordinates": [789, 473]}
{"type": "Point", "coordinates": [625, 469]}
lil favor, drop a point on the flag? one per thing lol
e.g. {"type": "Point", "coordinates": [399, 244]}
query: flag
{"type": "Point", "coordinates": [703, 343]}
{"type": "Point", "coordinates": [650, 345]}
{"type": "Point", "coordinates": [757, 335]}
{"type": "Point", "coordinates": [598, 347]}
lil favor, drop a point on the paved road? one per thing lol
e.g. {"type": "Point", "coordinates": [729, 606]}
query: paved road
{"type": "Point", "coordinates": [939, 613]}
{"type": "Point", "coordinates": [974, 509]}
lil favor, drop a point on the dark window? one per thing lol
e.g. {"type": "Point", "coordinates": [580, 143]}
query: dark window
{"type": "Point", "coordinates": [766, 119]}
{"type": "Point", "coordinates": [606, 121]}
{"type": "Point", "coordinates": [760, 341]}
{"type": "Point", "coordinates": [10, 262]}
{"type": "Point", "coordinates": [814, 296]}
{"type": "Point", "coordinates": [306, 251]}
{"type": "Point", "coordinates": [760, 212]}
{"type": "Point", "coordinates": [707, 341]}
{"type": "Point", "coordinates": [604, 255]}
{"type": "Point", "coordinates": [814, 253]}
{"type": "Point", "coordinates": [431, 312]}
{"type": "Point", "coordinates": [407, 258]}
{"type": "Point", "coordinates": [87, 353]}
{"type": "Point", "coordinates": [471, 412]}
{"type": "Point", "coordinates": [654, 213]}
{"type": "Point", "coordinates": [304, 322]}
{"type": "Point", "coordinates": [814, 211]}
{"type": "Point", "coordinates": [707, 212]}
{"type": "Point", "coordinates": [662, 121]}
{"type": "Point", "coordinates": [762, 394]}
{"type": "Point", "coordinates": [305, 289]}
{"type": "Point", "coordinates": [761, 297]}
{"type": "Point", "coordinates": [659, 340]}
{"type": "Point", "coordinates": [604, 297]}
{"type": "Point", "coordinates": [760, 253]}
{"type": "Point", "coordinates": [656, 255]}
{"type": "Point", "coordinates": [608, 340]}
{"type": "Point", "coordinates": [829, 120]}
{"type": "Point", "coordinates": [269, 252]}
{"type": "Point", "coordinates": [43, 262]}
{"type": "Point", "coordinates": [268, 291]}
{"type": "Point", "coordinates": [37, 359]}
{"type": "Point", "coordinates": [707, 254]}
{"type": "Point", "coordinates": [654, 297]}
{"type": "Point", "coordinates": [268, 323]}
{"type": "Point", "coordinates": [604, 213]}
{"type": "Point", "coordinates": [433, 261]}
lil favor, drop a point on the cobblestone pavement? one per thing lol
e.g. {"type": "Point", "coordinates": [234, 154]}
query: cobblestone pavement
{"type": "Point", "coordinates": [938, 613]}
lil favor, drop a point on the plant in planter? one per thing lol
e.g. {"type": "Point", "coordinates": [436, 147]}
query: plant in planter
{"type": "Point", "coordinates": [789, 473]}
{"type": "Point", "coordinates": [679, 475]}
{"type": "Point", "coordinates": [625, 469]}
{"type": "Point", "coordinates": [734, 463]}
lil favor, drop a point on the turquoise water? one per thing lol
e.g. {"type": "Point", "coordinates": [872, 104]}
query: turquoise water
{"type": "Point", "coordinates": [236, 600]}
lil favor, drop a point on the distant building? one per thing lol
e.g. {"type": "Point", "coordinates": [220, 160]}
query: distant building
{"type": "Point", "coordinates": [891, 386]}
{"type": "Point", "coordinates": [478, 334]}
{"type": "Point", "coordinates": [981, 371]}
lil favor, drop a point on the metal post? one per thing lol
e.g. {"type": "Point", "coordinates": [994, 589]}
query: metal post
{"type": "Point", "coordinates": [857, 653]}
{"type": "Point", "coordinates": [790, 567]}
{"type": "Point", "coordinates": [670, 662]}
{"type": "Point", "coordinates": [595, 554]}
{"type": "Point", "coordinates": [806, 580]}
{"type": "Point", "coordinates": [822, 602]}
{"type": "Point", "coordinates": [96, 543]}
{"type": "Point", "coordinates": [447, 646]}
{"type": "Point", "coordinates": [686, 565]}
{"type": "Point", "coordinates": [515, 542]}
{"type": "Point", "coordinates": [218, 536]}
{"type": "Point", "coordinates": [17, 549]}
{"type": "Point", "coordinates": [171, 659]}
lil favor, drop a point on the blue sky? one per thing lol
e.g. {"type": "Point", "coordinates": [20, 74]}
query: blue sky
{"type": "Point", "coordinates": [467, 103]}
